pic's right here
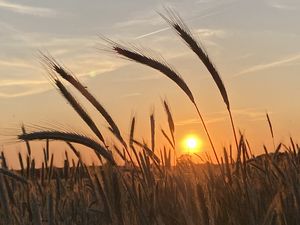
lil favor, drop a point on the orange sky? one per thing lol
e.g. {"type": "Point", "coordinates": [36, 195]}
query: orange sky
{"type": "Point", "coordinates": [254, 45]}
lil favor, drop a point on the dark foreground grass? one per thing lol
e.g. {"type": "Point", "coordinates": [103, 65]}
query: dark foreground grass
{"type": "Point", "coordinates": [248, 191]}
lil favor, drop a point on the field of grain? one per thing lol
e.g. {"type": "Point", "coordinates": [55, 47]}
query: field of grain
{"type": "Point", "coordinates": [147, 185]}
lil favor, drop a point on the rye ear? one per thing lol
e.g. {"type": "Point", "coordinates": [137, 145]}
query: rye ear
{"type": "Point", "coordinates": [69, 77]}
{"type": "Point", "coordinates": [186, 35]}
{"type": "Point", "coordinates": [138, 56]}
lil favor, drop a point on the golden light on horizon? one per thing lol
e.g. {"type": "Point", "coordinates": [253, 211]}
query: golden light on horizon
{"type": "Point", "coordinates": [192, 144]}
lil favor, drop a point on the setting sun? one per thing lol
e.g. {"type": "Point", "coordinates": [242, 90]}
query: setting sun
{"type": "Point", "coordinates": [192, 144]}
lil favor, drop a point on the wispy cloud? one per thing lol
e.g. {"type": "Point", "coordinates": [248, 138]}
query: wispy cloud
{"type": "Point", "coordinates": [202, 32]}
{"type": "Point", "coordinates": [207, 32]}
{"type": "Point", "coordinates": [269, 65]}
{"type": "Point", "coordinates": [15, 63]}
{"type": "Point", "coordinates": [152, 33]}
{"type": "Point", "coordinates": [17, 86]}
{"type": "Point", "coordinates": [203, 1]}
{"type": "Point", "coordinates": [282, 5]}
{"type": "Point", "coordinates": [135, 78]}
{"type": "Point", "coordinates": [24, 9]}
{"type": "Point", "coordinates": [129, 95]}
{"type": "Point", "coordinates": [209, 14]}
{"type": "Point", "coordinates": [195, 121]}
{"type": "Point", "coordinates": [149, 18]}
{"type": "Point", "coordinates": [89, 65]}
{"type": "Point", "coordinates": [8, 83]}
{"type": "Point", "coordinates": [250, 114]}
{"type": "Point", "coordinates": [96, 72]}
{"type": "Point", "coordinates": [23, 94]}
{"type": "Point", "coordinates": [20, 88]}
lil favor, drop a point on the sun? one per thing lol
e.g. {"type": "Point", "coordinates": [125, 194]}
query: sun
{"type": "Point", "coordinates": [192, 144]}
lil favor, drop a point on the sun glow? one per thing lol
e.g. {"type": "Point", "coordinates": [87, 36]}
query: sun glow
{"type": "Point", "coordinates": [192, 144]}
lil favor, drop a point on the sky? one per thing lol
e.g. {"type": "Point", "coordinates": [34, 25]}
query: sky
{"type": "Point", "coordinates": [254, 45]}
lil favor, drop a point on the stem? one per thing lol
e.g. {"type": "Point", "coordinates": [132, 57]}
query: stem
{"type": "Point", "coordinates": [233, 128]}
{"type": "Point", "coordinates": [175, 156]}
{"type": "Point", "coordinates": [207, 133]}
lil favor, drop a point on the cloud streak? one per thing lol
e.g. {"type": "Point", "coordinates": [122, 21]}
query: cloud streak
{"type": "Point", "coordinates": [188, 20]}
{"type": "Point", "coordinates": [23, 94]}
{"type": "Point", "coordinates": [212, 12]}
{"type": "Point", "coordinates": [269, 65]}
{"type": "Point", "coordinates": [15, 63]}
{"type": "Point", "coordinates": [10, 88]}
{"type": "Point", "coordinates": [282, 5]}
{"type": "Point", "coordinates": [129, 95]}
{"type": "Point", "coordinates": [211, 32]}
{"type": "Point", "coordinates": [152, 33]}
{"type": "Point", "coordinates": [196, 121]}
{"type": "Point", "coordinates": [20, 88]}
{"type": "Point", "coordinates": [251, 114]}
{"type": "Point", "coordinates": [8, 83]}
{"type": "Point", "coordinates": [30, 10]}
